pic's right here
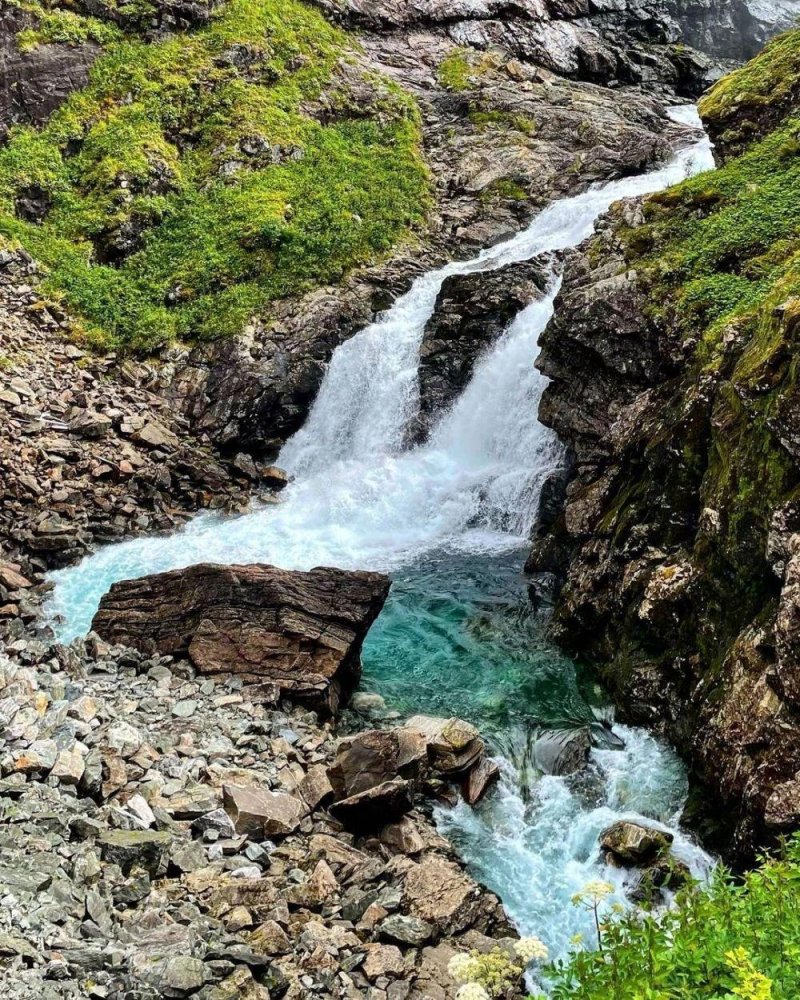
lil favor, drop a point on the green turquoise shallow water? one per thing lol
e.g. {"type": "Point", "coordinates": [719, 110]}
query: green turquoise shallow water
{"type": "Point", "coordinates": [459, 636]}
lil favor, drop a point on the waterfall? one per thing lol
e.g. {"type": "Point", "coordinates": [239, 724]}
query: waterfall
{"type": "Point", "coordinates": [449, 519]}
{"type": "Point", "coordinates": [359, 499]}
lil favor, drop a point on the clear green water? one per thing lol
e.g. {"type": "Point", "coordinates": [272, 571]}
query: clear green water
{"type": "Point", "coordinates": [459, 636]}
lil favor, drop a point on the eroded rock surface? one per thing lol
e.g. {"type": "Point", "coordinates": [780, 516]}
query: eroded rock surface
{"type": "Point", "coordinates": [289, 632]}
{"type": "Point", "coordinates": [472, 311]}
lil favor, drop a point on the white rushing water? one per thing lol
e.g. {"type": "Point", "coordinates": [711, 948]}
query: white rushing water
{"type": "Point", "coordinates": [538, 847]}
{"type": "Point", "coordinates": [359, 499]}
{"type": "Point", "coordinates": [362, 499]}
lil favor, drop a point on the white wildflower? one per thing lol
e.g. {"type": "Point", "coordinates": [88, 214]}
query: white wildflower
{"type": "Point", "coordinates": [461, 967]}
{"type": "Point", "coordinates": [472, 991]}
{"type": "Point", "coordinates": [593, 892]}
{"type": "Point", "coordinates": [530, 949]}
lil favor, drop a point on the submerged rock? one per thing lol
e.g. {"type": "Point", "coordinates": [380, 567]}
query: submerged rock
{"type": "Point", "coordinates": [562, 752]}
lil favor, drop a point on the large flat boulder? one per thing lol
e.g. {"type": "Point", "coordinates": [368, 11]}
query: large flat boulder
{"type": "Point", "coordinates": [300, 632]}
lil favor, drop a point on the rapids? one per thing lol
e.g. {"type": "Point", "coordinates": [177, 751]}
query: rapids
{"type": "Point", "coordinates": [449, 520]}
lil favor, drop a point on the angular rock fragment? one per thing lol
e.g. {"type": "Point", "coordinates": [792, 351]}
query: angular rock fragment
{"type": "Point", "coordinates": [453, 746]}
{"type": "Point", "coordinates": [302, 631]}
{"type": "Point", "coordinates": [260, 812]}
{"type": "Point", "coordinates": [371, 808]}
{"type": "Point", "coordinates": [130, 849]}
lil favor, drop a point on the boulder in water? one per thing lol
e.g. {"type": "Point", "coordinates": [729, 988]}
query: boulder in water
{"type": "Point", "coordinates": [626, 843]}
{"type": "Point", "coordinates": [479, 780]}
{"type": "Point", "coordinates": [299, 632]}
{"type": "Point", "coordinates": [562, 751]}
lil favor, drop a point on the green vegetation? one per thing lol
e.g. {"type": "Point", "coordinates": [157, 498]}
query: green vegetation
{"type": "Point", "coordinates": [765, 84]}
{"type": "Point", "coordinates": [190, 182]}
{"type": "Point", "coordinates": [731, 939]}
{"type": "Point", "coordinates": [455, 70]}
{"type": "Point", "coordinates": [720, 257]}
{"type": "Point", "coordinates": [54, 24]}
{"type": "Point", "coordinates": [57, 24]}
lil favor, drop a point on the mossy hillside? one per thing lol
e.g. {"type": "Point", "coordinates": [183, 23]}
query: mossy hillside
{"type": "Point", "coordinates": [719, 257]}
{"type": "Point", "coordinates": [205, 149]}
{"type": "Point", "coordinates": [749, 102]}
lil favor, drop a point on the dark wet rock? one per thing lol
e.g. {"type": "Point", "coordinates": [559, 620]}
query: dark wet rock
{"type": "Point", "coordinates": [301, 632]}
{"type": "Point", "coordinates": [479, 780]}
{"type": "Point", "coordinates": [562, 751]}
{"type": "Point", "coordinates": [371, 808]}
{"type": "Point", "coordinates": [471, 313]}
{"type": "Point", "coordinates": [34, 82]}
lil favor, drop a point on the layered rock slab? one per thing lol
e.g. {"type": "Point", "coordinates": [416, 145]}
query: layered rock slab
{"type": "Point", "coordinates": [300, 634]}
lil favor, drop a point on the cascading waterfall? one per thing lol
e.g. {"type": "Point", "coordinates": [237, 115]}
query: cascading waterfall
{"type": "Point", "coordinates": [361, 499]}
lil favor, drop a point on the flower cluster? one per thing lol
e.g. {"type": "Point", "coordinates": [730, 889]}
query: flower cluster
{"type": "Point", "coordinates": [472, 991]}
{"type": "Point", "coordinates": [530, 949]}
{"type": "Point", "coordinates": [593, 892]}
{"type": "Point", "coordinates": [493, 974]}
{"type": "Point", "coordinates": [461, 967]}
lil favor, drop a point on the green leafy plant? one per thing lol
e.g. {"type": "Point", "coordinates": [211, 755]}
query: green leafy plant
{"type": "Point", "coordinates": [733, 938]}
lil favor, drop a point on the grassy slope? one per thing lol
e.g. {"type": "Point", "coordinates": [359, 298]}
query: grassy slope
{"type": "Point", "coordinates": [149, 145]}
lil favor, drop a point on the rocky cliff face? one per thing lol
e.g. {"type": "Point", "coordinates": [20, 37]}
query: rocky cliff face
{"type": "Point", "coordinates": [672, 358]}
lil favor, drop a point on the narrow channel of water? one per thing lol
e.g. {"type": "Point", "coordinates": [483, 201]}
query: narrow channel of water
{"type": "Point", "coordinates": [449, 520]}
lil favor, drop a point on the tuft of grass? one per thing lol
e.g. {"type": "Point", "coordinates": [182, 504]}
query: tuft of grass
{"type": "Point", "coordinates": [190, 183]}
{"type": "Point", "coordinates": [454, 70]}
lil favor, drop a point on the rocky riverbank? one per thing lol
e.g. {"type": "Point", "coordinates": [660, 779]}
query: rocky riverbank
{"type": "Point", "coordinates": [89, 453]}
{"type": "Point", "coordinates": [673, 382]}
{"type": "Point", "coordinates": [170, 832]}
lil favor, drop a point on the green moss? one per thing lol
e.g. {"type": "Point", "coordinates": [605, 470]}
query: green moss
{"type": "Point", "coordinates": [55, 24]}
{"type": "Point", "coordinates": [235, 194]}
{"type": "Point", "coordinates": [503, 119]}
{"type": "Point", "coordinates": [454, 71]}
{"type": "Point", "coordinates": [504, 189]}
